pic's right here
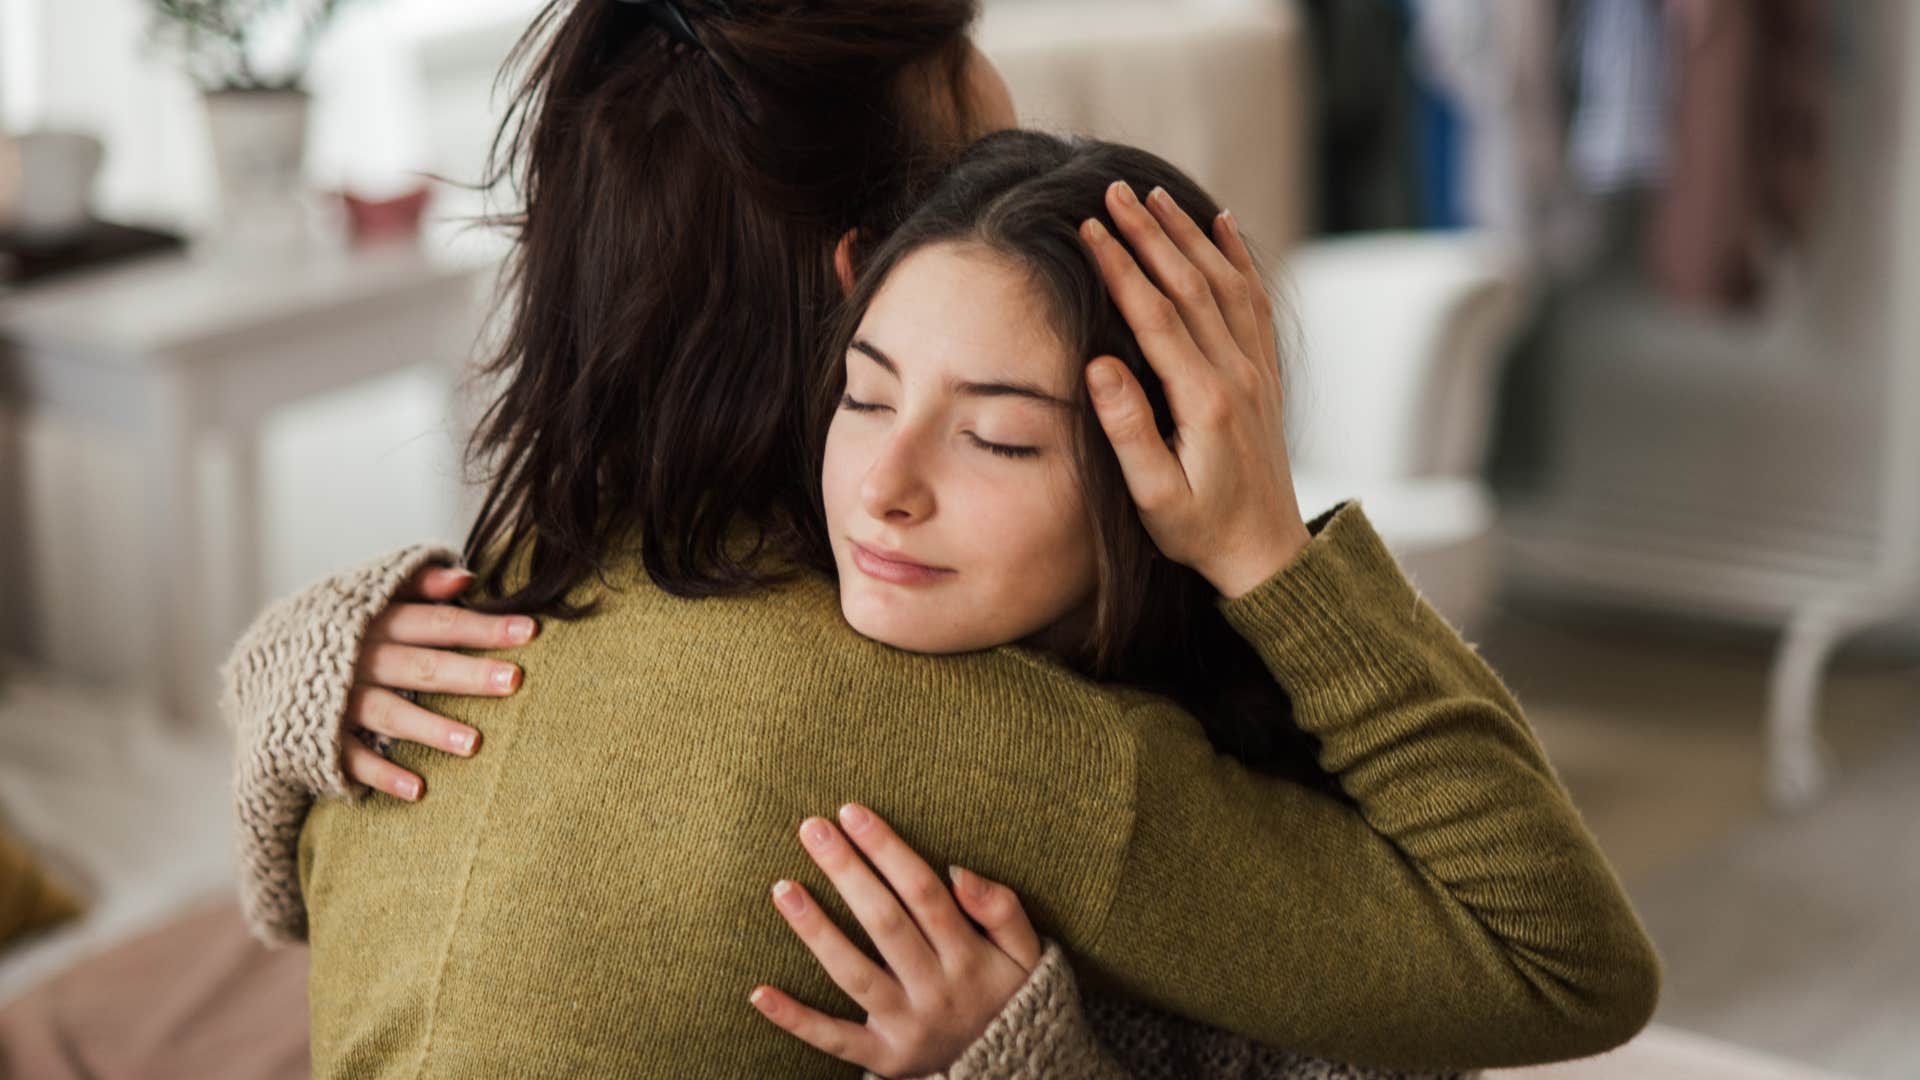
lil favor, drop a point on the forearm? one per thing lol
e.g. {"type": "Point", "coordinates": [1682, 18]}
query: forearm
{"type": "Point", "coordinates": [284, 692]}
{"type": "Point", "coordinates": [1460, 915]}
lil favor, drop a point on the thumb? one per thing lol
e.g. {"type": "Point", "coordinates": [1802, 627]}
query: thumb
{"type": "Point", "coordinates": [436, 584]}
{"type": "Point", "coordinates": [1153, 472]}
{"type": "Point", "coordinates": [998, 911]}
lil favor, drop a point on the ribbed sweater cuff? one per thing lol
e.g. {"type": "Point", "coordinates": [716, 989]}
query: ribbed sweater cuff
{"type": "Point", "coordinates": [1333, 615]}
{"type": "Point", "coordinates": [284, 692]}
{"type": "Point", "coordinates": [1041, 1031]}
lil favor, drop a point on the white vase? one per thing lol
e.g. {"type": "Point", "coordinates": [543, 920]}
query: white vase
{"type": "Point", "coordinates": [259, 150]}
{"type": "Point", "coordinates": [46, 186]}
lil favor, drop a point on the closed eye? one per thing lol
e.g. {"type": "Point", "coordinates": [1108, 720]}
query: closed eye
{"type": "Point", "coordinates": [1003, 450]}
{"type": "Point", "coordinates": [848, 403]}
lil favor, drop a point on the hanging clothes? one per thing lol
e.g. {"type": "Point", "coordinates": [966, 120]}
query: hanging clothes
{"type": "Point", "coordinates": [1619, 128]}
{"type": "Point", "coordinates": [1363, 101]}
{"type": "Point", "coordinates": [1493, 67]}
{"type": "Point", "coordinates": [1440, 134]}
{"type": "Point", "coordinates": [1748, 145]}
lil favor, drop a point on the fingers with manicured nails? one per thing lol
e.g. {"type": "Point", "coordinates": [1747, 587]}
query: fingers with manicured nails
{"type": "Point", "coordinates": [407, 667]}
{"type": "Point", "coordinates": [443, 626]}
{"type": "Point", "coordinates": [1173, 272]}
{"type": "Point", "coordinates": [843, 1039]}
{"type": "Point", "coordinates": [1230, 289]}
{"type": "Point", "coordinates": [380, 774]}
{"type": "Point", "coordinates": [894, 933]}
{"type": "Point", "coordinates": [386, 713]}
{"type": "Point", "coordinates": [926, 897]}
{"type": "Point", "coordinates": [1153, 472]}
{"type": "Point", "coordinates": [435, 583]}
{"type": "Point", "coordinates": [999, 913]}
{"type": "Point", "coordinates": [1152, 317]}
{"type": "Point", "coordinates": [850, 969]}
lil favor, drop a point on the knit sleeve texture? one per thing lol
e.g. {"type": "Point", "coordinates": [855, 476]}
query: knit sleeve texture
{"type": "Point", "coordinates": [284, 691]}
{"type": "Point", "coordinates": [1041, 1031]}
{"type": "Point", "coordinates": [1451, 912]}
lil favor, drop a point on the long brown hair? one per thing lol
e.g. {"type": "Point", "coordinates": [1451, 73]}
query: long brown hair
{"type": "Point", "coordinates": [1023, 196]}
{"type": "Point", "coordinates": [672, 273]}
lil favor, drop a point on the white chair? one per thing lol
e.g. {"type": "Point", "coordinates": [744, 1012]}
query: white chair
{"type": "Point", "coordinates": [1391, 399]}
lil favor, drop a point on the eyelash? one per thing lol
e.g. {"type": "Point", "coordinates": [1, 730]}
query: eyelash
{"type": "Point", "coordinates": [1004, 451]}
{"type": "Point", "coordinates": [848, 403]}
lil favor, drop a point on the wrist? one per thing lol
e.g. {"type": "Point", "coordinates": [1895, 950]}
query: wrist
{"type": "Point", "coordinates": [1242, 574]}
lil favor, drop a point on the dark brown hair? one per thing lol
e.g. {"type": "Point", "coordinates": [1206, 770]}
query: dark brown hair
{"type": "Point", "coordinates": [1023, 195]}
{"type": "Point", "coordinates": [672, 276]}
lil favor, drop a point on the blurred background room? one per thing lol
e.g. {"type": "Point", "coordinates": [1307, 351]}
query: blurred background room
{"type": "Point", "coordinates": [1608, 311]}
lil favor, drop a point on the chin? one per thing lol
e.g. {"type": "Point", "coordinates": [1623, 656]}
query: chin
{"type": "Point", "coordinates": [873, 618]}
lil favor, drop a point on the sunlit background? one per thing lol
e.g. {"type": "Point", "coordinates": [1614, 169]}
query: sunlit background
{"type": "Point", "coordinates": [1608, 311]}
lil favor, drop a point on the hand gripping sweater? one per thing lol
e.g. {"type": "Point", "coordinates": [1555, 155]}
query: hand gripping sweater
{"type": "Point", "coordinates": [586, 892]}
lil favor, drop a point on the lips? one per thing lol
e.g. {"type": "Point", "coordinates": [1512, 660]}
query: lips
{"type": "Point", "coordinates": [893, 568]}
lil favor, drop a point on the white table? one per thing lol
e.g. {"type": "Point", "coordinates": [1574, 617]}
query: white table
{"type": "Point", "coordinates": [172, 350]}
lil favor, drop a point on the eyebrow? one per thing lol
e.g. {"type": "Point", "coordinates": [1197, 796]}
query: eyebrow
{"type": "Point", "coordinates": [970, 389]}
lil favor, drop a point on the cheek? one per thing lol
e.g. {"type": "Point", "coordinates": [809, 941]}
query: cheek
{"type": "Point", "coordinates": [840, 469]}
{"type": "Point", "coordinates": [1072, 556]}
{"type": "Point", "coordinates": [1041, 536]}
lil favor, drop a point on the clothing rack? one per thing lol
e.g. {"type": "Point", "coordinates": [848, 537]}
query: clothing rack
{"type": "Point", "coordinates": [1766, 469]}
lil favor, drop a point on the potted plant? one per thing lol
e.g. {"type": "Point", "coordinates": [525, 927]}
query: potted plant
{"type": "Point", "coordinates": [249, 59]}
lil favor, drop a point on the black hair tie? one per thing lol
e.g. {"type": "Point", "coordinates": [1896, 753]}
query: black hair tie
{"type": "Point", "coordinates": [667, 15]}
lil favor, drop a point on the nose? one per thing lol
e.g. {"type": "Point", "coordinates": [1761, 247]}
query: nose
{"type": "Point", "coordinates": [895, 488]}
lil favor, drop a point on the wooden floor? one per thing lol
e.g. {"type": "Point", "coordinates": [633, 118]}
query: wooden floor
{"type": "Point", "coordinates": [1799, 935]}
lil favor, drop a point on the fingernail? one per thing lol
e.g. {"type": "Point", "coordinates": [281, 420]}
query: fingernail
{"type": "Point", "coordinates": [788, 897]}
{"type": "Point", "coordinates": [759, 1000]}
{"type": "Point", "coordinates": [970, 885]}
{"type": "Point", "coordinates": [815, 833]}
{"type": "Point", "coordinates": [1160, 197]}
{"type": "Point", "coordinates": [520, 629]}
{"type": "Point", "coordinates": [1096, 232]}
{"type": "Point", "coordinates": [503, 677]}
{"type": "Point", "coordinates": [1102, 381]}
{"type": "Point", "coordinates": [855, 818]}
{"type": "Point", "coordinates": [409, 788]}
{"type": "Point", "coordinates": [462, 741]}
{"type": "Point", "coordinates": [1233, 223]}
{"type": "Point", "coordinates": [1124, 193]}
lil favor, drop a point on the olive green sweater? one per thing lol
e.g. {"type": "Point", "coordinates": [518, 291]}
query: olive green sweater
{"type": "Point", "coordinates": [585, 897]}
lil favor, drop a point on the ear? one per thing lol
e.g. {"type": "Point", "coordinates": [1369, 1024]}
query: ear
{"type": "Point", "coordinates": [843, 259]}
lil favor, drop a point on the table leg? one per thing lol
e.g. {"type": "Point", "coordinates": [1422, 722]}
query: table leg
{"type": "Point", "coordinates": [17, 598]}
{"type": "Point", "coordinates": [245, 574]}
{"type": "Point", "coordinates": [179, 669]}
